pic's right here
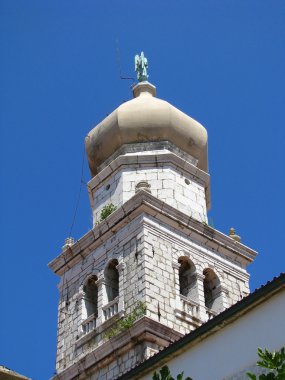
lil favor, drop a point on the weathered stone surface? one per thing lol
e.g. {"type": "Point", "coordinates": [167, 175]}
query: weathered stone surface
{"type": "Point", "coordinates": [148, 249]}
{"type": "Point", "coordinates": [166, 174]}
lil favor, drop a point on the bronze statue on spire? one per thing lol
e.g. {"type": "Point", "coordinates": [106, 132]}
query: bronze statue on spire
{"type": "Point", "coordinates": [141, 66]}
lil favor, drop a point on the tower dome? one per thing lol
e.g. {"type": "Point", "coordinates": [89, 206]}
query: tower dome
{"type": "Point", "coordinates": [146, 119]}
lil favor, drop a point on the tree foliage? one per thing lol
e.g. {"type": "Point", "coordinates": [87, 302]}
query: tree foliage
{"type": "Point", "coordinates": [274, 362]}
{"type": "Point", "coordinates": [164, 374]}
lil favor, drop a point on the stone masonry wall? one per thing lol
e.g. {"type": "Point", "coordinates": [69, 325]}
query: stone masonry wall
{"type": "Point", "coordinates": [124, 362]}
{"type": "Point", "coordinates": [150, 251]}
{"type": "Point", "coordinates": [166, 183]}
{"type": "Point", "coordinates": [157, 281]}
{"type": "Point", "coordinates": [164, 246]}
{"type": "Point", "coordinates": [126, 247]}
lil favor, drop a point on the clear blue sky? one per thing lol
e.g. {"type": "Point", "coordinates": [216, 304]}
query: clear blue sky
{"type": "Point", "coordinates": [222, 62]}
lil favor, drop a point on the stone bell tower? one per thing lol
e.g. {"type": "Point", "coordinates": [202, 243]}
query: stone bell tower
{"type": "Point", "coordinates": [150, 269]}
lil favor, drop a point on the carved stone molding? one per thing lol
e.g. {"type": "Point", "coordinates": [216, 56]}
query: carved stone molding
{"type": "Point", "coordinates": [175, 265]}
{"type": "Point", "coordinates": [121, 266]}
{"type": "Point", "coordinates": [101, 281]}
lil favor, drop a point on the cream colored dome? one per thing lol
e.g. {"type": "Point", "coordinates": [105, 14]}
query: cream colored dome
{"type": "Point", "coordinates": [146, 118]}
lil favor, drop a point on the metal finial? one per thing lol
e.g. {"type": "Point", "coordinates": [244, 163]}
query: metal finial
{"type": "Point", "coordinates": [141, 66]}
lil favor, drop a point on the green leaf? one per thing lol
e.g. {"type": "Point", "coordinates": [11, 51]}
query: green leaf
{"type": "Point", "coordinates": [269, 376]}
{"type": "Point", "coordinates": [106, 211]}
{"type": "Point", "coordinates": [273, 361]}
{"type": "Point", "coordinates": [252, 376]}
{"type": "Point", "coordinates": [166, 375]}
{"type": "Point", "coordinates": [155, 376]}
{"type": "Point", "coordinates": [265, 364]}
{"type": "Point", "coordinates": [164, 372]}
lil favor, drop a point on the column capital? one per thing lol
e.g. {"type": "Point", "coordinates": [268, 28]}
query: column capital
{"type": "Point", "coordinates": [222, 288]}
{"type": "Point", "coordinates": [101, 281]}
{"type": "Point", "coordinates": [175, 265]}
{"type": "Point", "coordinates": [121, 266]}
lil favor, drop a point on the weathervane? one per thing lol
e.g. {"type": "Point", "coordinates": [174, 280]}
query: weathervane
{"type": "Point", "coordinates": [141, 66]}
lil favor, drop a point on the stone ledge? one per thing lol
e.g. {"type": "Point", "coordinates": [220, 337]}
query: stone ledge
{"type": "Point", "coordinates": [145, 330]}
{"type": "Point", "coordinates": [98, 329]}
{"type": "Point", "coordinates": [150, 159]}
{"type": "Point", "coordinates": [186, 317]}
{"type": "Point", "coordinates": [143, 202]}
{"type": "Point", "coordinates": [149, 147]}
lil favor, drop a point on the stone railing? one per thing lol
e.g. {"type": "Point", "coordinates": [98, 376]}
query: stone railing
{"type": "Point", "coordinates": [189, 306]}
{"type": "Point", "coordinates": [210, 313]}
{"type": "Point", "coordinates": [111, 309]}
{"type": "Point", "coordinates": [89, 324]}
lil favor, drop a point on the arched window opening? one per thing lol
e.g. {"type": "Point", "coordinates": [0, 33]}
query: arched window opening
{"type": "Point", "coordinates": [91, 297]}
{"type": "Point", "coordinates": [112, 280]}
{"type": "Point", "coordinates": [212, 293]}
{"type": "Point", "coordinates": [187, 278]}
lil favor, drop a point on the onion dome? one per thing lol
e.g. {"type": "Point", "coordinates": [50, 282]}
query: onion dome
{"type": "Point", "coordinates": [146, 119]}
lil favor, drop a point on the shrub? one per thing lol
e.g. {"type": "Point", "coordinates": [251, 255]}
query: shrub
{"type": "Point", "coordinates": [274, 362]}
{"type": "Point", "coordinates": [128, 321]}
{"type": "Point", "coordinates": [164, 374]}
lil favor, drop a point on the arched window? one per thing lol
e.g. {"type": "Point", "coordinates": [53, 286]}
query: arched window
{"type": "Point", "coordinates": [112, 280]}
{"type": "Point", "coordinates": [91, 297]}
{"type": "Point", "coordinates": [187, 278]}
{"type": "Point", "coordinates": [212, 294]}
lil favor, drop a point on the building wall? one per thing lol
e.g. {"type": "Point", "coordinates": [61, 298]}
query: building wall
{"type": "Point", "coordinates": [126, 247]}
{"type": "Point", "coordinates": [232, 351]}
{"type": "Point", "coordinates": [167, 184]}
{"type": "Point", "coordinates": [163, 248]}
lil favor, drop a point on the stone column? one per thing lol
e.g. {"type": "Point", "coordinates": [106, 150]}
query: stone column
{"type": "Point", "coordinates": [82, 308]}
{"type": "Point", "coordinates": [176, 266]}
{"type": "Point", "coordinates": [102, 299]}
{"type": "Point", "coordinates": [121, 267]}
{"type": "Point", "coordinates": [201, 297]}
{"type": "Point", "coordinates": [221, 299]}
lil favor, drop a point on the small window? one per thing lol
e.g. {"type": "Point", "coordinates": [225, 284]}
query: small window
{"type": "Point", "coordinates": [91, 296]}
{"type": "Point", "coordinates": [112, 280]}
{"type": "Point", "coordinates": [187, 278]}
{"type": "Point", "coordinates": [213, 298]}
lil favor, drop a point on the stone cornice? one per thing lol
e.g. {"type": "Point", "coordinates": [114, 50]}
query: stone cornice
{"type": "Point", "coordinates": [148, 146]}
{"type": "Point", "coordinates": [202, 245]}
{"type": "Point", "coordinates": [148, 160]}
{"type": "Point", "coordinates": [145, 203]}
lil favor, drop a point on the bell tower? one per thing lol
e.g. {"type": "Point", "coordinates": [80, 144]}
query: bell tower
{"type": "Point", "coordinates": [151, 269]}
